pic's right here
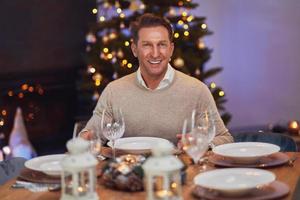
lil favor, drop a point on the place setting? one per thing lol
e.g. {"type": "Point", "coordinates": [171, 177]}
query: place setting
{"type": "Point", "coordinates": [238, 183]}
{"type": "Point", "coordinates": [248, 154]}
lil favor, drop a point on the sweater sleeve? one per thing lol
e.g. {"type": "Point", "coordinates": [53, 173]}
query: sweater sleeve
{"type": "Point", "coordinates": [104, 102]}
{"type": "Point", "coordinates": [206, 101]}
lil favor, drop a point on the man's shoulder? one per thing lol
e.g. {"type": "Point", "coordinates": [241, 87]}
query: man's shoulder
{"type": "Point", "coordinates": [124, 81]}
{"type": "Point", "coordinates": [189, 81]}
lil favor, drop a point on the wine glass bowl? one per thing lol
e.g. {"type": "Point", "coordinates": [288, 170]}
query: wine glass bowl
{"type": "Point", "coordinates": [112, 125]}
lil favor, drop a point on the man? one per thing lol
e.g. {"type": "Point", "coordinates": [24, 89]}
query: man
{"type": "Point", "coordinates": [156, 99]}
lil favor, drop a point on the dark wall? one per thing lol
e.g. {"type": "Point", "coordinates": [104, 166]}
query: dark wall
{"type": "Point", "coordinates": [42, 42]}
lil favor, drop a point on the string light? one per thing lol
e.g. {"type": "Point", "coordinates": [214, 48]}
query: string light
{"type": "Point", "coordinates": [119, 10]}
{"type": "Point", "coordinates": [186, 33]}
{"type": "Point", "coordinates": [129, 65]}
{"type": "Point", "coordinates": [203, 26]}
{"type": "Point", "coordinates": [126, 43]}
{"type": "Point", "coordinates": [109, 56]}
{"type": "Point", "coordinates": [122, 15]}
{"type": "Point", "coordinates": [91, 69]}
{"type": "Point", "coordinates": [30, 89]}
{"type": "Point", "coordinates": [102, 18]}
{"type": "Point", "coordinates": [24, 87]}
{"type": "Point", "coordinates": [1, 122]}
{"type": "Point", "coordinates": [10, 93]}
{"type": "Point", "coordinates": [142, 6]}
{"type": "Point", "coordinates": [213, 85]}
{"type": "Point", "coordinates": [94, 11]}
{"type": "Point", "coordinates": [180, 22]}
{"type": "Point", "coordinates": [184, 13]}
{"type": "Point", "coordinates": [176, 35]}
{"type": "Point", "coordinates": [124, 62]}
{"type": "Point", "coordinates": [185, 26]}
{"type": "Point", "coordinates": [20, 95]}
{"type": "Point", "coordinates": [190, 18]}
{"type": "Point", "coordinates": [4, 112]}
{"type": "Point", "coordinates": [105, 50]}
{"type": "Point", "coordinates": [221, 93]}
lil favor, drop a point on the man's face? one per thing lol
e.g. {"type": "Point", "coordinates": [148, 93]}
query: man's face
{"type": "Point", "coordinates": [153, 50]}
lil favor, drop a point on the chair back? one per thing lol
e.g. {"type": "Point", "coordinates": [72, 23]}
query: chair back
{"type": "Point", "coordinates": [285, 142]}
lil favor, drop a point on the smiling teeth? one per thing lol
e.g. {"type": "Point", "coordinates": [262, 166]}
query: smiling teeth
{"type": "Point", "coordinates": [155, 62]}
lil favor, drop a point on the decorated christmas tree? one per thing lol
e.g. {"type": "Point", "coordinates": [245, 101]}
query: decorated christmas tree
{"type": "Point", "coordinates": [108, 53]}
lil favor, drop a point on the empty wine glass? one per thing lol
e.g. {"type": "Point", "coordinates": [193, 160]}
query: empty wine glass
{"type": "Point", "coordinates": [194, 140]}
{"type": "Point", "coordinates": [94, 140]}
{"type": "Point", "coordinates": [206, 119]}
{"type": "Point", "coordinates": [113, 126]}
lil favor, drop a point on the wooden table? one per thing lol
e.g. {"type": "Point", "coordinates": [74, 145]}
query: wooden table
{"type": "Point", "coordinates": [285, 173]}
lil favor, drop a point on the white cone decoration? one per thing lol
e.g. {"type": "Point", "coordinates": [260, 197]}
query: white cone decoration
{"type": "Point", "coordinates": [18, 140]}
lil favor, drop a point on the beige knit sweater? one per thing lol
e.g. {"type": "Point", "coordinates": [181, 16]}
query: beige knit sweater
{"type": "Point", "coordinates": [158, 113]}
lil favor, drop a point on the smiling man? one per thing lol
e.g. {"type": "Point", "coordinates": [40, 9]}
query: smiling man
{"type": "Point", "coordinates": [156, 99]}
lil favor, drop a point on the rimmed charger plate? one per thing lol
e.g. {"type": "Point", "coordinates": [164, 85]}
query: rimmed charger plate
{"type": "Point", "coordinates": [137, 145]}
{"type": "Point", "coordinates": [272, 160]}
{"type": "Point", "coordinates": [234, 181]}
{"type": "Point", "coordinates": [274, 190]}
{"type": "Point", "coordinates": [246, 152]}
{"type": "Point", "coordinates": [49, 164]}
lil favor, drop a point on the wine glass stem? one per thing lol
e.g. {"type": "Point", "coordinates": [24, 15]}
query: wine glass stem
{"type": "Point", "coordinates": [113, 149]}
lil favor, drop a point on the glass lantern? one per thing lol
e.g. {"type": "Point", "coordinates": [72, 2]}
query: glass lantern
{"type": "Point", "coordinates": [78, 178]}
{"type": "Point", "coordinates": [162, 174]}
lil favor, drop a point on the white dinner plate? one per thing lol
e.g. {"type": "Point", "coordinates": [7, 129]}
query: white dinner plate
{"type": "Point", "coordinates": [48, 164]}
{"type": "Point", "coordinates": [137, 145]}
{"type": "Point", "coordinates": [246, 152]}
{"type": "Point", "coordinates": [234, 181]}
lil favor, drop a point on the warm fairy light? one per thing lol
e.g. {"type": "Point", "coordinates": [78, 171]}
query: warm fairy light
{"type": "Point", "coordinates": [203, 26]}
{"type": "Point", "coordinates": [105, 39]}
{"type": "Point", "coordinates": [201, 44]}
{"type": "Point", "coordinates": [1, 122]}
{"type": "Point", "coordinates": [142, 6]}
{"type": "Point", "coordinates": [213, 85]}
{"type": "Point", "coordinates": [97, 82]}
{"type": "Point", "coordinates": [94, 11]}
{"type": "Point", "coordinates": [10, 93]}
{"type": "Point", "coordinates": [119, 10]}
{"type": "Point", "coordinates": [91, 69]}
{"type": "Point", "coordinates": [122, 15]}
{"type": "Point", "coordinates": [180, 22]}
{"type": "Point", "coordinates": [112, 36]}
{"type": "Point", "coordinates": [129, 65]}
{"type": "Point", "coordinates": [124, 62]}
{"type": "Point", "coordinates": [173, 185]}
{"type": "Point", "coordinates": [20, 95]}
{"type": "Point", "coordinates": [186, 33]}
{"type": "Point", "coordinates": [102, 18]}
{"type": "Point", "coordinates": [109, 56]}
{"type": "Point", "coordinates": [221, 93]}
{"type": "Point", "coordinates": [4, 112]}
{"type": "Point", "coordinates": [105, 50]}
{"type": "Point", "coordinates": [184, 14]}
{"type": "Point", "coordinates": [24, 87]}
{"type": "Point", "coordinates": [126, 43]}
{"type": "Point", "coordinates": [180, 3]}
{"type": "Point", "coordinates": [190, 18]}
{"type": "Point", "coordinates": [176, 35]}
{"type": "Point", "coordinates": [6, 150]}
{"type": "Point", "coordinates": [30, 89]}
{"type": "Point", "coordinates": [185, 26]}
{"type": "Point", "coordinates": [41, 91]}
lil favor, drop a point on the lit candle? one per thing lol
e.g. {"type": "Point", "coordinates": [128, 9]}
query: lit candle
{"type": "Point", "coordinates": [293, 127]}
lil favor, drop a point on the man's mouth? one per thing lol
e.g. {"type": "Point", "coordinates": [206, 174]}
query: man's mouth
{"type": "Point", "coordinates": [154, 61]}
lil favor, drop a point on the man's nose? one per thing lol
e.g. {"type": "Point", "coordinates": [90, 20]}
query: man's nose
{"type": "Point", "coordinates": [155, 51]}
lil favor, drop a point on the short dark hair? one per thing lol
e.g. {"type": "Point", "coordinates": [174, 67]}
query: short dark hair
{"type": "Point", "coordinates": [149, 20]}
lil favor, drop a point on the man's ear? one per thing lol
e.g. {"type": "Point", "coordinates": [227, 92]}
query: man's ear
{"type": "Point", "coordinates": [134, 49]}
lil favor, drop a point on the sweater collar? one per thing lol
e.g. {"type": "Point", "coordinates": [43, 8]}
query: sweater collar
{"type": "Point", "coordinates": [166, 81]}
